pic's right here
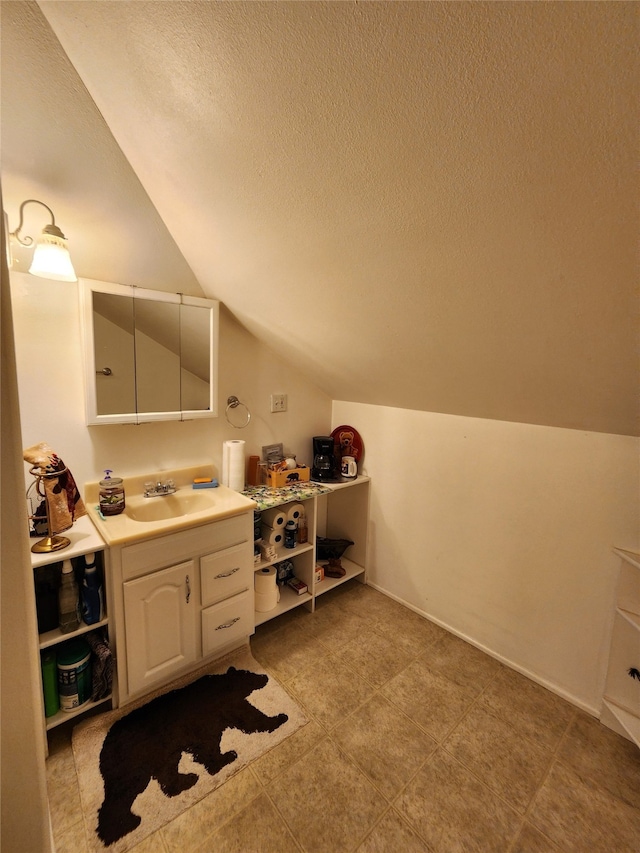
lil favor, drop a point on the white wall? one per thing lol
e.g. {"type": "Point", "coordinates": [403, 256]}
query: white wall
{"type": "Point", "coordinates": [502, 532]}
{"type": "Point", "coordinates": [49, 363]}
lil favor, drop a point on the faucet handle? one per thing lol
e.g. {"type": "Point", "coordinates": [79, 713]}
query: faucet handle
{"type": "Point", "coordinates": [170, 483]}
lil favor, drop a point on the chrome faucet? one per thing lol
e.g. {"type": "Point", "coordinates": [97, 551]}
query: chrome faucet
{"type": "Point", "coordinates": [152, 490]}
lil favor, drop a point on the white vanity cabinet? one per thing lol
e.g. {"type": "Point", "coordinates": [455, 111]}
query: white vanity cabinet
{"type": "Point", "coordinates": [181, 598]}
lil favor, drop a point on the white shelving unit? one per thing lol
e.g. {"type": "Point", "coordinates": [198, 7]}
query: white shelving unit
{"type": "Point", "coordinates": [340, 511]}
{"type": "Point", "coordinates": [621, 704]}
{"type": "Point", "coordinates": [84, 539]}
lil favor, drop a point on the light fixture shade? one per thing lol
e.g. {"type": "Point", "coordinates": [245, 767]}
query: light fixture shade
{"type": "Point", "coordinates": [51, 257]}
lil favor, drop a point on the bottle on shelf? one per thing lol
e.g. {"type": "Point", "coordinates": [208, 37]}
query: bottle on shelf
{"type": "Point", "coordinates": [290, 534]}
{"type": "Point", "coordinates": [68, 600]}
{"type": "Point", "coordinates": [91, 591]}
{"type": "Point", "coordinates": [303, 532]}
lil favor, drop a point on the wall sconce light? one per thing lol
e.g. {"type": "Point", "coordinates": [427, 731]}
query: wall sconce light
{"type": "Point", "coordinates": [51, 257]}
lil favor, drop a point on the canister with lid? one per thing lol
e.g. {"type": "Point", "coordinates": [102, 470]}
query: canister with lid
{"type": "Point", "coordinates": [111, 494]}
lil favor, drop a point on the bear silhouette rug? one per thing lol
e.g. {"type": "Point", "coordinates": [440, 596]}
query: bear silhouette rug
{"type": "Point", "coordinates": [141, 766]}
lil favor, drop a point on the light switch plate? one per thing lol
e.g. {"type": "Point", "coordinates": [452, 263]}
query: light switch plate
{"type": "Point", "coordinates": [278, 402]}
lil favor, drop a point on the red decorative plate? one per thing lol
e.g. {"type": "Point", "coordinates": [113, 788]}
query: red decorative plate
{"type": "Point", "coordinates": [347, 442]}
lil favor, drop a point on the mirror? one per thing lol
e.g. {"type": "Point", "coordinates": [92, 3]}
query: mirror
{"type": "Point", "coordinates": [149, 355]}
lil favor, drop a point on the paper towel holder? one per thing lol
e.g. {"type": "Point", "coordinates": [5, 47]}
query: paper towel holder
{"type": "Point", "coordinates": [233, 403]}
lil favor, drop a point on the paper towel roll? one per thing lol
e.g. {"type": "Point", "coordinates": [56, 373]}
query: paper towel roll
{"type": "Point", "coordinates": [271, 536]}
{"type": "Point", "coordinates": [294, 512]}
{"type": "Point", "coordinates": [274, 517]}
{"type": "Point", "coordinates": [233, 464]}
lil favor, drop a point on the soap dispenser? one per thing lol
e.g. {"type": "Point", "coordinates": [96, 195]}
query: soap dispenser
{"type": "Point", "coordinates": [111, 494]}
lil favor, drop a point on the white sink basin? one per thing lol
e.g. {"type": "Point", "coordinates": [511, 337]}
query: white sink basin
{"type": "Point", "coordinates": [146, 518]}
{"type": "Point", "coordinates": [163, 507]}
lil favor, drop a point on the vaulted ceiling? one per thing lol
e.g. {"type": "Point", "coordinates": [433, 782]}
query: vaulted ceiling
{"type": "Point", "coordinates": [425, 205]}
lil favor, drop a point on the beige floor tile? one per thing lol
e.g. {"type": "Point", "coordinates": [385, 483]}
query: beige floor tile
{"type": "Point", "coordinates": [579, 816]}
{"type": "Point", "coordinates": [272, 763]}
{"type": "Point", "coordinates": [335, 627]}
{"type": "Point", "coordinates": [327, 802]}
{"type": "Point", "coordinates": [410, 631]}
{"type": "Point", "coordinates": [434, 702]}
{"type": "Point", "coordinates": [529, 708]}
{"type": "Point", "coordinates": [258, 828]}
{"type": "Point", "coordinates": [368, 602]}
{"type": "Point", "coordinates": [64, 801]}
{"type": "Point", "coordinates": [384, 743]}
{"type": "Point", "coordinates": [461, 662]}
{"type": "Point", "coordinates": [287, 652]}
{"type": "Point", "coordinates": [72, 840]}
{"type": "Point", "coordinates": [374, 657]}
{"type": "Point", "coordinates": [452, 811]}
{"type": "Point", "coordinates": [598, 753]}
{"type": "Point", "coordinates": [530, 840]}
{"type": "Point", "coordinates": [511, 765]}
{"type": "Point", "coordinates": [392, 834]}
{"type": "Point", "coordinates": [187, 830]}
{"type": "Point", "coordinates": [330, 690]}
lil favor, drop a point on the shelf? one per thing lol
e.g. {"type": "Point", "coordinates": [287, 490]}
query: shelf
{"type": "Point", "coordinates": [629, 722]}
{"type": "Point", "coordinates": [352, 571]}
{"type": "Point", "coordinates": [288, 600]}
{"type": "Point", "coordinates": [62, 716]}
{"type": "Point", "coordinates": [284, 554]}
{"type": "Point", "coordinates": [344, 484]}
{"type": "Point", "coordinates": [52, 638]}
{"type": "Point", "coordinates": [84, 538]}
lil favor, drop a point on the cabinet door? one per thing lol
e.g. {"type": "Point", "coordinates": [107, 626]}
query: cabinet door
{"type": "Point", "coordinates": [160, 624]}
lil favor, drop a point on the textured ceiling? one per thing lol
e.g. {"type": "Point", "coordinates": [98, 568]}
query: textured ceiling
{"type": "Point", "coordinates": [423, 205]}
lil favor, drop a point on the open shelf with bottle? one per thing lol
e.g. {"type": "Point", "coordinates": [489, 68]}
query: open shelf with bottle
{"type": "Point", "coordinates": [333, 510]}
{"type": "Point", "coordinates": [84, 540]}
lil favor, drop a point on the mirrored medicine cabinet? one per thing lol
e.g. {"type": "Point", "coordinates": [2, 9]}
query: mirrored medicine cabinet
{"type": "Point", "coordinates": [149, 355]}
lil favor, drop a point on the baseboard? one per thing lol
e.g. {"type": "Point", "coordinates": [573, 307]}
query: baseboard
{"type": "Point", "coordinates": [543, 682]}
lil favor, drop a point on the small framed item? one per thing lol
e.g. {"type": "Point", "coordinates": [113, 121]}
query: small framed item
{"type": "Point", "coordinates": [297, 585]}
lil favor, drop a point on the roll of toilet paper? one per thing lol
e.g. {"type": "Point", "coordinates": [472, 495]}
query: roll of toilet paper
{"type": "Point", "coordinates": [271, 536]}
{"type": "Point", "coordinates": [294, 512]}
{"type": "Point", "coordinates": [266, 600]}
{"type": "Point", "coordinates": [264, 580]}
{"type": "Point", "coordinates": [233, 464]}
{"type": "Point", "coordinates": [274, 517]}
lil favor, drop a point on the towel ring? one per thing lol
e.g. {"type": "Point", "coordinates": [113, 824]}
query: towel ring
{"type": "Point", "coordinates": [233, 403]}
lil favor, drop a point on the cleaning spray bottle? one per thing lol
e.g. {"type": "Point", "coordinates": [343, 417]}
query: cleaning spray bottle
{"type": "Point", "coordinates": [91, 591]}
{"type": "Point", "coordinates": [68, 601]}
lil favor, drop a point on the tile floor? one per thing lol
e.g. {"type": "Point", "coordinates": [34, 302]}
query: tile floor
{"type": "Point", "coordinates": [416, 742]}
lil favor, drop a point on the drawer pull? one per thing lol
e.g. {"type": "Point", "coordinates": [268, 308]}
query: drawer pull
{"type": "Point", "coordinates": [228, 624]}
{"type": "Point", "coordinates": [188, 588]}
{"type": "Point", "coordinates": [227, 574]}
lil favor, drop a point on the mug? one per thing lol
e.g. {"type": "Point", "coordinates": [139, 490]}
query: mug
{"type": "Point", "coordinates": [349, 467]}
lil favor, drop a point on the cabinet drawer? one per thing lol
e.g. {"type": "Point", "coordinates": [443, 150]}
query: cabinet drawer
{"type": "Point", "coordinates": [152, 554]}
{"type": "Point", "coordinates": [225, 573]}
{"type": "Point", "coordinates": [227, 622]}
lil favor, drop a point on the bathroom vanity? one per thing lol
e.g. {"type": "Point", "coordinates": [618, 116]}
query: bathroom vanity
{"type": "Point", "coordinates": [179, 570]}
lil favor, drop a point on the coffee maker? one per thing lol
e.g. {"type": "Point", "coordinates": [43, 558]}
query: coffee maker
{"type": "Point", "coordinates": [324, 466]}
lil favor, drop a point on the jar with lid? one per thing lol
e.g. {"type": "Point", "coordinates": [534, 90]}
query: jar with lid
{"type": "Point", "coordinates": [111, 494]}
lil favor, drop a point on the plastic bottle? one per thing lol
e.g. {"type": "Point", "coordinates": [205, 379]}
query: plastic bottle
{"type": "Point", "coordinates": [68, 601]}
{"type": "Point", "coordinates": [303, 532]}
{"type": "Point", "coordinates": [91, 591]}
{"type": "Point", "coordinates": [290, 534]}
